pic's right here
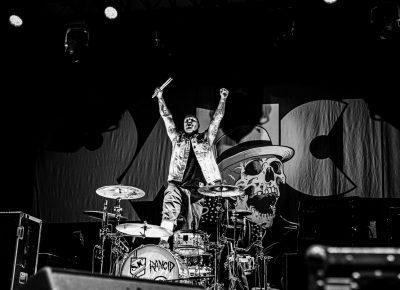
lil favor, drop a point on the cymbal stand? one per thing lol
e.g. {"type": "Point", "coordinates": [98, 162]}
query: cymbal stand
{"type": "Point", "coordinates": [117, 210]}
{"type": "Point", "coordinates": [218, 248]}
{"type": "Point", "coordinates": [119, 251]}
{"type": "Point", "coordinates": [233, 268]}
{"type": "Point", "coordinates": [104, 231]}
{"type": "Point", "coordinates": [119, 247]}
{"type": "Point", "coordinates": [261, 262]}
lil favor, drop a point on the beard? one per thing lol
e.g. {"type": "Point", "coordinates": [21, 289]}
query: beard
{"type": "Point", "coordinates": [190, 134]}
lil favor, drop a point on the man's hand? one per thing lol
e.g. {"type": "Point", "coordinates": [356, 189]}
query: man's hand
{"type": "Point", "coordinates": [224, 93]}
{"type": "Point", "coordinates": [158, 93]}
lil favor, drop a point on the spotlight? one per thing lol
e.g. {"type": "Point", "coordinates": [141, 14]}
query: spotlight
{"type": "Point", "coordinates": [113, 9]}
{"type": "Point", "coordinates": [330, 1]}
{"type": "Point", "coordinates": [76, 41]}
{"type": "Point", "coordinates": [385, 19]}
{"type": "Point", "coordinates": [15, 20]}
{"type": "Point", "coordinates": [110, 12]}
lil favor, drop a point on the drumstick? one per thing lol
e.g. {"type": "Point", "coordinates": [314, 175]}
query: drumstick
{"type": "Point", "coordinates": [163, 86]}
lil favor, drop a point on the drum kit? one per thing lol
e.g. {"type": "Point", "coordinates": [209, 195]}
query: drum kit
{"type": "Point", "coordinates": [194, 259]}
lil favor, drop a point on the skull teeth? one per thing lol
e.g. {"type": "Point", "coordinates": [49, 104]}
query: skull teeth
{"type": "Point", "coordinates": [259, 215]}
{"type": "Point", "coordinates": [268, 191]}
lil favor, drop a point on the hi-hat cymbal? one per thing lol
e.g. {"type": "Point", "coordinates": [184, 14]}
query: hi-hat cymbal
{"type": "Point", "coordinates": [143, 230]}
{"type": "Point", "coordinates": [120, 192]}
{"type": "Point", "coordinates": [221, 190]}
{"type": "Point", "coordinates": [99, 215]}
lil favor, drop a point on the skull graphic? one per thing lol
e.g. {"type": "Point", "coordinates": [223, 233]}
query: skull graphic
{"type": "Point", "coordinates": [259, 177]}
{"type": "Point", "coordinates": [252, 163]}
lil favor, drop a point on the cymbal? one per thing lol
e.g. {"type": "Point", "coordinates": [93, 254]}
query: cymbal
{"type": "Point", "coordinates": [221, 190]}
{"type": "Point", "coordinates": [143, 230]}
{"type": "Point", "coordinates": [99, 215]}
{"type": "Point", "coordinates": [120, 192]}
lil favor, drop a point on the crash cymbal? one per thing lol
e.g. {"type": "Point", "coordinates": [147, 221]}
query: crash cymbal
{"type": "Point", "coordinates": [143, 230]}
{"type": "Point", "coordinates": [120, 192]}
{"type": "Point", "coordinates": [99, 215]}
{"type": "Point", "coordinates": [221, 190]}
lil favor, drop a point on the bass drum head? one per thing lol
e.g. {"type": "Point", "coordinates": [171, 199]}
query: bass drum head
{"type": "Point", "coordinates": [153, 262]}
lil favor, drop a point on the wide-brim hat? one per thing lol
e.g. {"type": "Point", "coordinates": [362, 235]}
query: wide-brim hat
{"type": "Point", "coordinates": [245, 142]}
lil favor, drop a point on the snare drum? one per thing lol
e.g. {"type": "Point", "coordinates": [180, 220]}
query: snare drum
{"type": "Point", "coordinates": [245, 261]}
{"type": "Point", "coordinates": [155, 263]}
{"type": "Point", "coordinates": [190, 243]}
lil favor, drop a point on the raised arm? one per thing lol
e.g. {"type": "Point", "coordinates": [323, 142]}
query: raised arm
{"type": "Point", "coordinates": [218, 115]}
{"type": "Point", "coordinates": [166, 116]}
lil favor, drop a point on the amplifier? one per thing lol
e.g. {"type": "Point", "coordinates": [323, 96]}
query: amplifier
{"type": "Point", "coordinates": [347, 268]}
{"type": "Point", "coordinates": [19, 246]}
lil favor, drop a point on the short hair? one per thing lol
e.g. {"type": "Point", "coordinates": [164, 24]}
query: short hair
{"type": "Point", "coordinates": [191, 115]}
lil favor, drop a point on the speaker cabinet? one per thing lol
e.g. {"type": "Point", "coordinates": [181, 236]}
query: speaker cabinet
{"type": "Point", "coordinates": [49, 278]}
{"type": "Point", "coordinates": [19, 246]}
{"type": "Point", "coordinates": [361, 268]}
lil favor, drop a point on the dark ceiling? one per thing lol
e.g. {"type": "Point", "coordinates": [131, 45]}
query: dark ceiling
{"type": "Point", "coordinates": [221, 42]}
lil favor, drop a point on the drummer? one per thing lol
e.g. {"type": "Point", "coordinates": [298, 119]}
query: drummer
{"type": "Point", "coordinates": [192, 165]}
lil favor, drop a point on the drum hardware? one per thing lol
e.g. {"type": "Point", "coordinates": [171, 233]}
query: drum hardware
{"type": "Point", "coordinates": [105, 229]}
{"type": "Point", "coordinates": [121, 192]}
{"type": "Point", "coordinates": [221, 191]}
{"type": "Point", "coordinates": [261, 261]}
{"type": "Point", "coordinates": [239, 213]}
{"type": "Point", "coordinates": [143, 230]}
{"type": "Point", "coordinates": [118, 245]}
{"type": "Point", "coordinates": [192, 278]}
{"type": "Point", "coordinates": [190, 243]}
{"type": "Point", "coordinates": [246, 262]}
{"type": "Point", "coordinates": [234, 282]}
{"type": "Point", "coordinates": [99, 215]}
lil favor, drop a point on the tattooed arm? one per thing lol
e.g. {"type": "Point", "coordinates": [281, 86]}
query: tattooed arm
{"type": "Point", "coordinates": [218, 115]}
{"type": "Point", "coordinates": [166, 116]}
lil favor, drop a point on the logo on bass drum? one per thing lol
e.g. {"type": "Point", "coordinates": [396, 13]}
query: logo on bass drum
{"type": "Point", "coordinates": [138, 267]}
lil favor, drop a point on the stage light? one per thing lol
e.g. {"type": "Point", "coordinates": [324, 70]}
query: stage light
{"type": "Point", "coordinates": [385, 19]}
{"type": "Point", "coordinates": [111, 12]}
{"type": "Point", "coordinates": [15, 20]}
{"type": "Point", "coordinates": [76, 41]}
{"type": "Point", "coordinates": [330, 1]}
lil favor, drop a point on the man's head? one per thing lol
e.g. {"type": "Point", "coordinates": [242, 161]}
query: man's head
{"type": "Point", "coordinates": [191, 124]}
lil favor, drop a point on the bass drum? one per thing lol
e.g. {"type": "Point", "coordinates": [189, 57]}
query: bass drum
{"type": "Point", "coordinates": [155, 263]}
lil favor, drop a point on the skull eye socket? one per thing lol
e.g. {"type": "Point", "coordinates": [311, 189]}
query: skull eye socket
{"type": "Point", "coordinates": [253, 168]}
{"type": "Point", "coordinates": [276, 167]}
